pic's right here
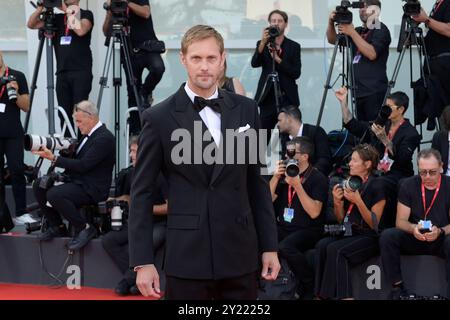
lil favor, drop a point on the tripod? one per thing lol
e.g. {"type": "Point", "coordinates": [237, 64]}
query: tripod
{"type": "Point", "coordinates": [118, 36]}
{"type": "Point", "coordinates": [348, 76]}
{"type": "Point", "coordinates": [46, 35]}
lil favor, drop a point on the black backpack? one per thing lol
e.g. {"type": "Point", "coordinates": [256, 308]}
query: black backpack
{"type": "Point", "coordinates": [283, 288]}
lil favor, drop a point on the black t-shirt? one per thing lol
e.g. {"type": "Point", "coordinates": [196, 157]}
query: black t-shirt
{"type": "Point", "coordinates": [77, 55]}
{"type": "Point", "coordinates": [410, 194]}
{"type": "Point", "coordinates": [141, 29]}
{"type": "Point", "coordinates": [316, 186]}
{"type": "Point", "coordinates": [370, 76]}
{"type": "Point", "coordinates": [373, 191]}
{"type": "Point", "coordinates": [437, 43]}
{"type": "Point", "coordinates": [10, 125]}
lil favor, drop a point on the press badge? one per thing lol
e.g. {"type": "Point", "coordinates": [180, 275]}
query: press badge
{"type": "Point", "coordinates": [2, 107]}
{"type": "Point", "coordinates": [385, 163]}
{"type": "Point", "coordinates": [65, 41]}
{"type": "Point", "coordinates": [426, 224]}
{"type": "Point", "coordinates": [288, 214]}
{"type": "Point", "coordinates": [357, 59]}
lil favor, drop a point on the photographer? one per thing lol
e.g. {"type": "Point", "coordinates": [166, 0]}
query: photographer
{"type": "Point", "coordinates": [89, 172]}
{"type": "Point", "coordinates": [370, 49]}
{"type": "Point", "coordinates": [360, 211]}
{"type": "Point", "coordinates": [437, 42]}
{"type": "Point", "coordinates": [13, 98]}
{"type": "Point", "coordinates": [395, 142]}
{"type": "Point", "coordinates": [286, 54]}
{"type": "Point", "coordinates": [290, 125]}
{"type": "Point", "coordinates": [72, 51]}
{"type": "Point", "coordinates": [140, 24]}
{"type": "Point", "coordinates": [116, 242]}
{"type": "Point", "coordinates": [423, 222]}
{"type": "Point", "coordinates": [299, 207]}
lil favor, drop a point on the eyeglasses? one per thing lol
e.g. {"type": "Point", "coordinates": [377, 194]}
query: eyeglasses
{"type": "Point", "coordinates": [432, 172]}
{"type": "Point", "coordinates": [78, 109]}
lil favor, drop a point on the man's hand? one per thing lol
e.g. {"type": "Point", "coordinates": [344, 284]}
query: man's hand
{"type": "Point", "coordinates": [45, 153]}
{"type": "Point", "coordinates": [270, 266]}
{"type": "Point", "coordinates": [265, 36]}
{"type": "Point", "coordinates": [418, 235]}
{"type": "Point", "coordinates": [341, 94]}
{"type": "Point", "coordinates": [148, 281]}
{"type": "Point", "coordinates": [422, 17]}
{"type": "Point", "coordinates": [433, 235]}
{"type": "Point", "coordinates": [280, 169]}
{"type": "Point", "coordinates": [380, 132]}
{"type": "Point", "coordinates": [347, 29]}
{"type": "Point", "coordinates": [331, 17]}
{"type": "Point", "coordinates": [293, 181]}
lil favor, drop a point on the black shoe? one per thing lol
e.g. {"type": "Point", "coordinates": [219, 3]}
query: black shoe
{"type": "Point", "coordinates": [82, 238]}
{"type": "Point", "coordinates": [122, 288]}
{"type": "Point", "coordinates": [134, 290]}
{"type": "Point", "coordinates": [52, 232]}
{"type": "Point", "coordinates": [400, 293]}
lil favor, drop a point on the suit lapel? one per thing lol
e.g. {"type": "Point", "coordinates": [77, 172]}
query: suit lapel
{"type": "Point", "coordinates": [89, 141]}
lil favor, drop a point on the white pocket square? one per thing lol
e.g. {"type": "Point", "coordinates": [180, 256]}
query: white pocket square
{"type": "Point", "coordinates": [243, 129]}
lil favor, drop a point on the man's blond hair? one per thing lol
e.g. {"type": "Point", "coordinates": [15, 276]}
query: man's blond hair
{"type": "Point", "coordinates": [198, 33]}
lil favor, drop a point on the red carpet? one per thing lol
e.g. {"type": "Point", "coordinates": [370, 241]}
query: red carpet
{"type": "Point", "coordinates": [34, 292]}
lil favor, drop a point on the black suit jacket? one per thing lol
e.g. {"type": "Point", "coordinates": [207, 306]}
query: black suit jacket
{"type": "Point", "coordinates": [440, 143]}
{"type": "Point", "coordinates": [289, 70]}
{"type": "Point", "coordinates": [220, 217]}
{"type": "Point", "coordinates": [92, 167]}
{"type": "Point", "coordinates": [322, 153]}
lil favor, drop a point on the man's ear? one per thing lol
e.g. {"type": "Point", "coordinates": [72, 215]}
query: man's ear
{"type": "Point", "coordinates": [182, 59]}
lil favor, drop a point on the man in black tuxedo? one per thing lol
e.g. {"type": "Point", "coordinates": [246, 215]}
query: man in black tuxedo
{"type": "Point", "coordinates": [220, 217]}
{"type": "Point", "coordinates": [287, 65]}
{"type": "Point", "coordinates": [90, 175]}
{"type": "Point", "coordinates": [291, 126]}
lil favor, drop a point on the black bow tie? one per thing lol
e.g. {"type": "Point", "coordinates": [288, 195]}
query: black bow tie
{"type": "Point", "coordinates": [214, 104]}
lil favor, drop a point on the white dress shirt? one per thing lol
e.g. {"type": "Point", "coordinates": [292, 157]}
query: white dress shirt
{"type": "Point", "coordinates": [98, 125]}
{"type": "Point", "coordinates": [211, 118]}
{"type": "Point", "coordinates": [299, 134]}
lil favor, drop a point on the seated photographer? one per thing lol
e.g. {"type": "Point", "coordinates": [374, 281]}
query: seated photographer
{"type": "Point", "coordinates": [394, 137]}
{"type": "Point", "coordinates": [441, 140]}
{"type": "Point", "coordinates": [358, 207]}
{"type": "Point", "coordinates": [423, 222]}
{"type": "Point", "coordinates": [116, 242]}
{"type": "Point", "coordinates": [290, 125]}
{"type": "Point", "coordinates": [299, 207]}
{"type": "Point", "coordinates": [90, 175]}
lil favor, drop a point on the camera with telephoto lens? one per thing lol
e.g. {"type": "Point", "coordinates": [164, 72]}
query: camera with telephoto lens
{"type": "Point", "coordinates": [12, 92]}
{"type": "Point", "coordinates": [119, 11]}
{"type": "Point", "coordinates": [412, 7]}
{"type": "Point", "coordinates": [118, 209]}
{"type": "Point", "coordinates": [47, 181]}
{"type": "Point", "coordinates": [383, 115]}
{"type": "Point", "coordinates": [338, 230]}
{"type": "Point", "coordinates": [353, 183]}
{"type": "Point", "coordinates": [292, 168]}
{"type": "Point", "coordinates": [67, 146]}
{"type": "Point", "coordinates": [50, 3]}
{"type": "Point", "coordinates": [343, 14]}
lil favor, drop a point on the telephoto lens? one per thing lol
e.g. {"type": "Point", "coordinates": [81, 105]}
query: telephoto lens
{"type": "Point", "coordinates": [12, 94]}
{"type": "Point", "coordinates": [116, 218]}
{"type": "Point", "coordinates": [353, 183]}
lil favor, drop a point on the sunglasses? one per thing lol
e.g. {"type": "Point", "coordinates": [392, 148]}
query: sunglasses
{"type": "Point", "coordinates": [78, 109]}
{"type": "Point", "coordinates": [431, 173]}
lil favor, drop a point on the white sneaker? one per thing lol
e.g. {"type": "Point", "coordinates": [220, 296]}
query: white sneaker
{"type": "Point", "coordinates": [26, 218]}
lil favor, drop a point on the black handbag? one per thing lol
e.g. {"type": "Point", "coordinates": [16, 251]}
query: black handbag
{"type": "Point", "coordinates": [153, 46]}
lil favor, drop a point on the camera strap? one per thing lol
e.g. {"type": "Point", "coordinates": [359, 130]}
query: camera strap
{"type": "Point", "coordinates": [4, 87]}
{"type": "Point", "coordinates": [436, 192]}
{"type": "Point", "coordinates": [66, 26]}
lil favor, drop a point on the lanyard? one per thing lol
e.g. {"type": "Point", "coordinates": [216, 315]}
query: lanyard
{"type": "Point", "coordinates": [364, 36]}
{"type": "Point", "coordinates": [66, 32]}
{"type": "Point", "coordinates": [392, 135]}
{"type": "Point", "coordinates": [352, 205]}
{"type": "Point", "coordinates": [291, 191]}
{"type": "Point", "coordinates": [3, 88]}
{"type": "Point", "coordinates": [425, 210]}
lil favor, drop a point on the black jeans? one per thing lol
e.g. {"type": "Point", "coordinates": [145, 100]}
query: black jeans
{"type": "Point", "coordinates": [72, 87]}
{"type": "Point", "coordinates": [115, 244]}
{"type": "Point", "coordinates": [13, 149]}
{"type": "Point", "coordinates": [65, 200]}
{"type": "Point", "coordinates": [139, 62]}
{"type": "Point", "coordinates": [395, 242]}
{"type": "Point", "coordinates": [367, 108]}
{"type": "Point", "coordinates": [333, 259]}
{"type": "Point", "coordinates": [440, 67]}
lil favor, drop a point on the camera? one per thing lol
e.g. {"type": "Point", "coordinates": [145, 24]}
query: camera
{"type": "Point", "coordinates": [353, 183]}
{"type": "Point", "coordinates": [119, 11]}
{"type": "Point", "coordinates": [12, 92]}
{"type": "Point", "coordinates": [343, 15]}
{"type": "Point", "coordinates": [274, 31]}
{"type": "Point", "coordinates": [338, 230]}
{"type": "Point", "coordinates": [292, 168]}
{"type": "Point", "coordinates": [48, 180]}
{"type": "Point", "coordinates": [118, 210]}
{"type": "Point", "coordinates": [383, 115]}
{"type": "Point", "coordinates": [34, 142]}
{"type": "Point", "coordinates": [412, 7]}
{"type": "Point", "coordinates": [49, 3]}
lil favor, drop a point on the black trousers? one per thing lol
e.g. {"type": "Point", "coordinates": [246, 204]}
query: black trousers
{"type": "Point", "coordinates": [292, 247]}
{"type": "Point", "coordinates": [333, 259]}
{"type": "Point", "coordinates": [65, 200]}
{"type": "Point", "coordinates": [115, 244]}
{"type": "Point", "coordinates": [367, 108]}
{"type": "Point", "coordinates": [71, 88]}
{"type": "Point", "coordinates": [12, 148]}
{"type": "Point", "coordinates": [238, 288]}
{"type": "Point", "coordinates": [395, 242]}
{"type": "Point", "coordinates": [155, 66]}
{"type": "Point", "coordinates": [440, 67]}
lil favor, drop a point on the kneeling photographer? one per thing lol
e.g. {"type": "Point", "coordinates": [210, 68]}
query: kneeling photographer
{"type": "Point", "coordinates": [394, 137]}
{"type": "Point", "coordinates": [358, 207]}
{"type": "Point", "coordinates": [299, 206]}
{"type": "Point", "coordinates": [88, 176]}
{"type": "Point", "coordinates": [116, 241]}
